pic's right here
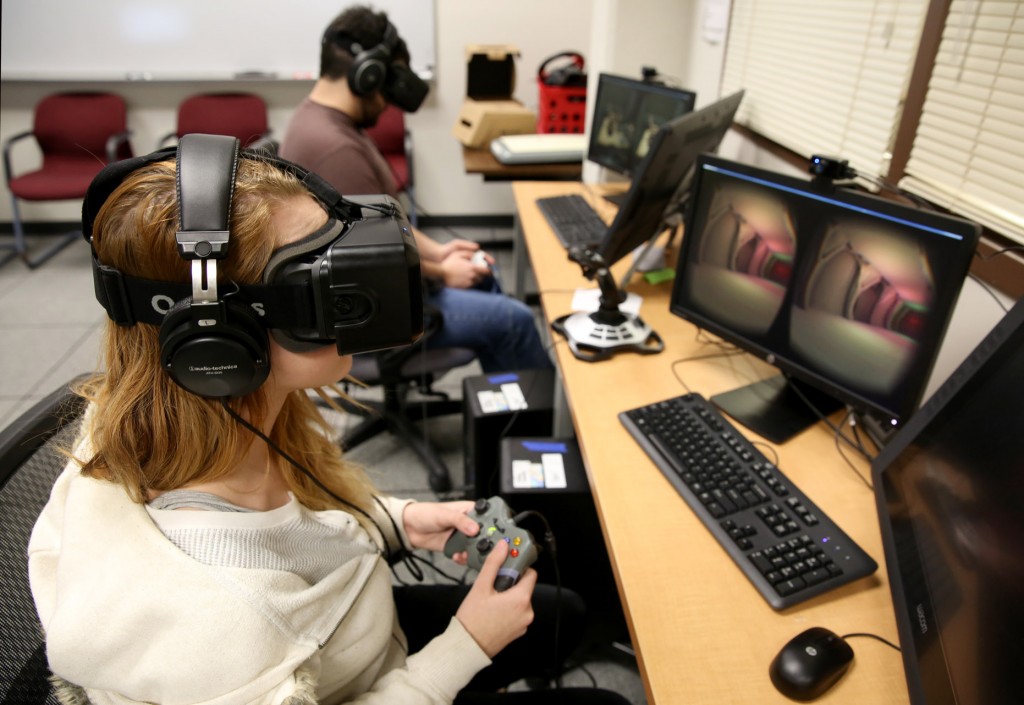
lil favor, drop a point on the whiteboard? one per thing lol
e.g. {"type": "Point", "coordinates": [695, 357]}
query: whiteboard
{"type": "Point", "coordinates": [187, 39]}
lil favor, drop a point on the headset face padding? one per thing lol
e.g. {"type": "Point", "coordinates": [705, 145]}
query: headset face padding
{"type": "Point", "coordinates": [228, 358]}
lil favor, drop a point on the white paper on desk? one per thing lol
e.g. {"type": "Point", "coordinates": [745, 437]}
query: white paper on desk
{"type": "Point", "coordinates": [588, 300]}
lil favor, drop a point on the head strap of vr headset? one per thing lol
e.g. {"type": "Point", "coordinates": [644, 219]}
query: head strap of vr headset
{"type": "Point", "coordinates": [129, 300]}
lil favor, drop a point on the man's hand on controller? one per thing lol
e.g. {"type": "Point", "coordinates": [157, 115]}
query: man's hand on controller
{"type": "Point", "coordinates": [495, 619]}
{"type": "Point", "coordinates": [461, 272]}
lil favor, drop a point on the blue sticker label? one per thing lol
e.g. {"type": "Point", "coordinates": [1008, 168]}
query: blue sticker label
{"type": "Point", "coordinates": [504, 378]}
{"type": "Point", "coordinates": [545, 447]}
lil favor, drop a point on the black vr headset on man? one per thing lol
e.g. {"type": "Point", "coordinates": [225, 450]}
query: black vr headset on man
{"type": "Point", "coordinates": [375, 69]}
{"type": "Point", "coordinates": [354, 283]}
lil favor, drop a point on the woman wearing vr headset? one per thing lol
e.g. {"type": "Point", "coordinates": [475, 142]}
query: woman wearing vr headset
{"type": "Point", "coordinates": [210, 543]}
{"type": "Point", "coordinates": [363, 68]}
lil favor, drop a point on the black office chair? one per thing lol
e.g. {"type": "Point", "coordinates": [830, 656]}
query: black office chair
{"type": "Point", "coordinates": [398, 372]}
{"type": "Point", "coordinates": [29, 464]}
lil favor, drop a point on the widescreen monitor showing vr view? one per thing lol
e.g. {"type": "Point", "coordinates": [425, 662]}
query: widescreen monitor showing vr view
{"type": "Point", "coordinates": [847, 294]}
{"type": "Point", "coordinates": [627, 115]}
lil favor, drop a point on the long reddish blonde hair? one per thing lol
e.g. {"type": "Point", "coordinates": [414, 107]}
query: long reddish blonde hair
{"type": "Point", "coordinates": [148, 433]}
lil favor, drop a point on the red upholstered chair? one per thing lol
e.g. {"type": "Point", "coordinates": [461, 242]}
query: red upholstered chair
{"type": "Point", "coordinates": [241, 115]}
{"type": "Point", "coordinates": [395, 143]}
{"type": "Point", "coordinates": [77, 133]}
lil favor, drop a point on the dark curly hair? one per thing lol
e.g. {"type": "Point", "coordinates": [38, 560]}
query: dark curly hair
{"type": "Point", "coordinates": [356, 29]}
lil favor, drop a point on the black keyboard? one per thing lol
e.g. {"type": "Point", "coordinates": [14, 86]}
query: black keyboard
{"type": "Point", "coordinates": [781, 541]}
{"type": "Point", "coordinates": [574, 221]}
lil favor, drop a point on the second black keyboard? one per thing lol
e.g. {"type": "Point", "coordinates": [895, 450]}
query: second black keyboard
{"type": "Point", "coordinates": [781, 541]}
{"type": "Point", "coordinates": [574, 221]}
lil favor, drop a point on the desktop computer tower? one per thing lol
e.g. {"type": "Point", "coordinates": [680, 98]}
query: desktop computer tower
{"type": "Point", "coordinates": [497, 405]}
{"type": "Point", "coordinates": [546, 475]}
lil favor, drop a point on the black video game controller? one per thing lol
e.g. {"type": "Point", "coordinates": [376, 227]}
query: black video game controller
{"type": "Point", "coordinates": [496, 524]}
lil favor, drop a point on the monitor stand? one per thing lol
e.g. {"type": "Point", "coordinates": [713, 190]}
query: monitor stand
{"type": "Point", "coordinates": [600, 335]}
{"type": "Point", "coordinates": [774, 409]}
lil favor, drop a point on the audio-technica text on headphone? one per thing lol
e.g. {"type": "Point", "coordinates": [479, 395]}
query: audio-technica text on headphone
{"type": "Point", "coordinates": [354, 283]}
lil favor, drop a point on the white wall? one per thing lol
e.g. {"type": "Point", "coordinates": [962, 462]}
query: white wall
{"type": "Point", "coordinates": [540, 28]}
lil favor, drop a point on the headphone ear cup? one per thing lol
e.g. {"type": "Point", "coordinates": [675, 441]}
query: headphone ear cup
{"type": "Point", "coordinates": [226, 356]}
{"type": "Point", "coordinates": [367, 75]}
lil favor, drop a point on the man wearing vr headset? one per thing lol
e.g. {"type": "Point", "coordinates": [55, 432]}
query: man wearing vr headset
{"type": "Point", "coordinates": [364, 65]}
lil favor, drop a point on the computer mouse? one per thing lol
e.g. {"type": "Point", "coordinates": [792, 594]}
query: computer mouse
{"type": "Point", "coordinates": [810, 663]}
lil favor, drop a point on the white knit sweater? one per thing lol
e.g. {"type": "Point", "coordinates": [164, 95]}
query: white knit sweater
{"type": "Point", "coordinates": [130, 618]}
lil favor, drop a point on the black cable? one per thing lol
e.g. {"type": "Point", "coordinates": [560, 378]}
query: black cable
{"type": "Point", "coordinates": [298, 466]}
{"type": "Point", "coordinates": [549, 541]}
{"type": "Point", "coordinates": [872, 636]}
{"type": "Point", "coordinates": [405, 556]}
{"type": "Point", "coordinates": [988, 290]}
{"type": "Point", "coordinates": [768, 447]}
{"type": "Point", "coordinates": [492, 488]}
{"type": "Point", "coordinates": [894, 189]}
{"type": "Point", "coordinates": [692, 358]}
{"type": "Point", "coordinates": [990, 255]}
{"type": "Point", "coordinates": [838, 434]}
{"type": "Point", "coordinates": [417, 558]}
{"type": "Point", "coordinates": [822, 417]}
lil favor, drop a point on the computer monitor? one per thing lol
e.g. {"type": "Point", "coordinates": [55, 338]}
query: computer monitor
{"type": "Point", "coordinates": [950, 493]}
{"type": "Point", "coordinates": [848, 294]}
{"type": "Point", "coordinates": [627, 115]}
{"type": "Point", "coordinates": [673, 153]}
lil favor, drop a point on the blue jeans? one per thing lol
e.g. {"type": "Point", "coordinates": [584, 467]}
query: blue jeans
{"type": "Point", "coordinates": [501, 330]}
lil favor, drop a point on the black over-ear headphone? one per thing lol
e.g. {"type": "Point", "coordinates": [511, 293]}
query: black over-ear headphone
{"type": "Point", "coordinates": [211, 346]}
{"type": "Point", "coordinates": [370, 67]}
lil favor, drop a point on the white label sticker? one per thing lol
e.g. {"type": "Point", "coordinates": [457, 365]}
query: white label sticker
{"type": "Point", "coordinates": [554, 470]}
{"type": "Point", "coordinates": [492, 402]}
{"type": "Point", "coordinates": [527, 474]}
{"type": "Point", "coordinates": [514, 396]}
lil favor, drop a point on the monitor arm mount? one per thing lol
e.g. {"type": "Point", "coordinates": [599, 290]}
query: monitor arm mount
{"type": "Point", "coordinates": [608, 330]}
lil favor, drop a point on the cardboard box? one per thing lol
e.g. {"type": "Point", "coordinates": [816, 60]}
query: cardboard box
{"type": "Point", "coordinates": [481, 121]}
{"type": "Point", "coordinates": [489, 111]}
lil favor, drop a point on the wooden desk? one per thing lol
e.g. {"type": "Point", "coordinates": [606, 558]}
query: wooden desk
{"type": "Point", "coordinates": [482, 162]}
{"type": "Point", "coordinates": [702, 633]}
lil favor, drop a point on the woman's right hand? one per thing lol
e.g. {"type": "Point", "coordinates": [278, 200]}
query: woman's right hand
{"type": "Point", "coordinates": [495, 619]}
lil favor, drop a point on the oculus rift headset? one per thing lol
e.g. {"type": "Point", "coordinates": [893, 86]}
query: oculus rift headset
{"type": "Point", "coordinates": [354, 283]}
{"type": "Point", "coordinates": [374, 69]}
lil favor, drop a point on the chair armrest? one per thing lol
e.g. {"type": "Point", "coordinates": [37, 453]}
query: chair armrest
{"type": "Point", "coordinates": [114, 142]}
{"type": "Point", "coordinates": [8, 144]}
{"type": "Point", "coordinates": [29, 431]}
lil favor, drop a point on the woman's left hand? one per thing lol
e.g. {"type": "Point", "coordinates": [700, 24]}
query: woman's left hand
{"type": "Point", "coordinates": [429, 524]}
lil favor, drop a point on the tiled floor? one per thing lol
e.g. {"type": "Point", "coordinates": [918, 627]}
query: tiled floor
{"type": "Point", "coordinates": [51, 327]}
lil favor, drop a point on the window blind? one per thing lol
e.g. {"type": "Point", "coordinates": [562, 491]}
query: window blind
{"type": "Point", "coordinates": [824, 77]}
{"type": "Point", "coordinates": [968, 154]}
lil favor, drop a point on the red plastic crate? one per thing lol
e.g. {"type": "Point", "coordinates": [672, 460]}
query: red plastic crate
{"type": "Point", "coordinates": [562, 104]}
